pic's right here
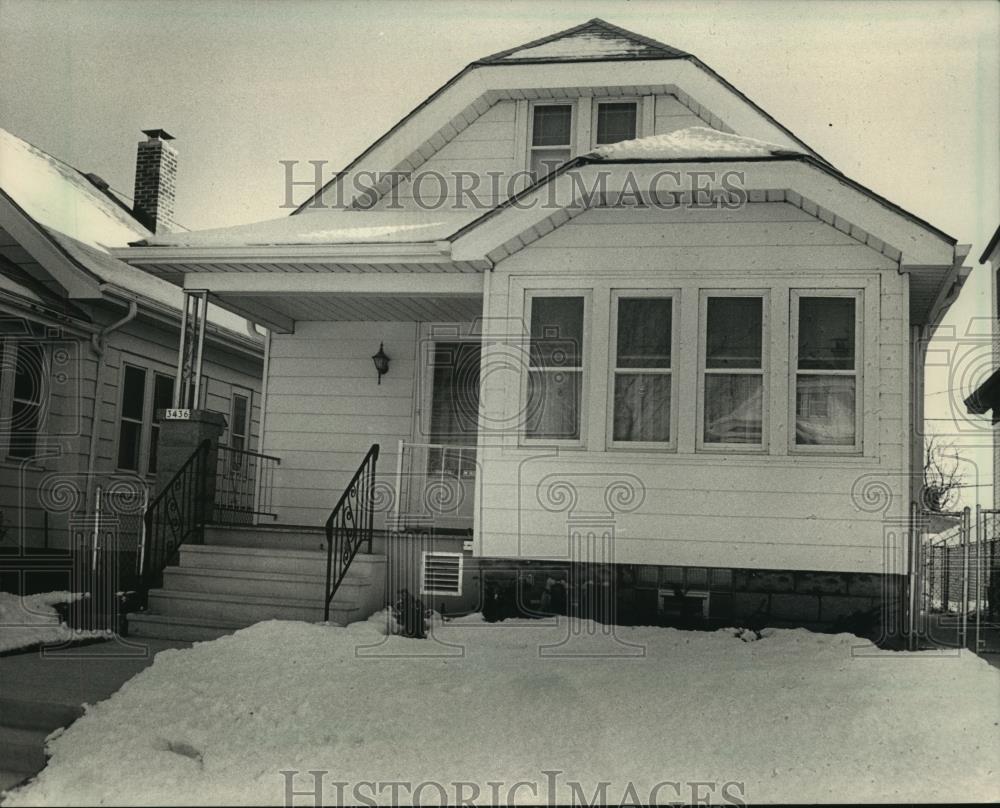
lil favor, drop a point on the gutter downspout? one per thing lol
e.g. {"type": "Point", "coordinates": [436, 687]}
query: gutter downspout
{"type": "Point", "coordinates": [98, 343]}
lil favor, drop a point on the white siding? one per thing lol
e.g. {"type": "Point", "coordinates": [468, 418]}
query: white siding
{"type": "Point", "coordinates": [774, 510]}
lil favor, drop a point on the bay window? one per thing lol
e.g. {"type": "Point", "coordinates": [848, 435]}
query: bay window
{"type": "Point", "coordinates": [641, 376]}
{"type": "Point", "coordinates": [555, 368]}
{"type": "Point", "coordinates": [551, 137]}
{"type": "Point", "coordinates": [733, 370]}
{"type": "Point", "coordinates": [824, 345]}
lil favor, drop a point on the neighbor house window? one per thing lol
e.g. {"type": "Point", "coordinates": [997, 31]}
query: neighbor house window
{"type": "Point", "coordinates": [239, 424]}
{"type": "Point", "coordinates": [642, 372]}
{"type": "Point", "coordinates": [551, 137]}
{"type": "Point", "coordinates": [825, 346]}
{"type": "Point", "coordinates": [733, 370]}
{"type": "Point", "coordinates": [27, 399]}
{"type": "Point", "coordinates": [133, 408]}
{"type": "Point", "coordinates": [555, 373]}
{"type": "Point", "coordinates": [616, 121]}
{"type": "Point", "coordinates": [163, 394]}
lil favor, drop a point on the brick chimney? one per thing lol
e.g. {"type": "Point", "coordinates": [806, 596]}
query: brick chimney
{"type": "Point", "coordinates": [155, 175]}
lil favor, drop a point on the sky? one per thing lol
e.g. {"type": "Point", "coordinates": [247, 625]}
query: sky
{"type": "Point", "coordinates": [901, 96]}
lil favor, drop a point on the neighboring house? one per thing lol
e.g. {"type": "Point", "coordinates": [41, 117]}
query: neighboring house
{"type": "Point", "coordinates": [89, 347]}
{"type": "Point", "coordinates": [708, 373]}
{"type": "Point", "coordinates": [986, 397]}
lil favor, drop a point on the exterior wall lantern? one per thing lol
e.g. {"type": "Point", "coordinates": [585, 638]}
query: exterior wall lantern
{"type": "Point", "coordinates": [381, 361]}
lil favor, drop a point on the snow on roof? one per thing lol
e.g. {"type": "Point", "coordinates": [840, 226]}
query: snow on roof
{"type": "Point", "coordinates": [691, 143]}
{"type": "Point", "coordinates": [140, 283]}
{"type": "Point", "coordinates": [59, 197]}
{"type": "Point", "coordinates": [328, 227]}
{"type": "Point", "coordinates": [594, 39]}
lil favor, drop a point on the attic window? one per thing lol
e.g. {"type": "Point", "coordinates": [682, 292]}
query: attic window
{"type": "Point", "coordinates": [551, 137]}
{"type": "Point", "coordinates": [616, 121]}
{"type": "Point", "coordinates": [441, 574]}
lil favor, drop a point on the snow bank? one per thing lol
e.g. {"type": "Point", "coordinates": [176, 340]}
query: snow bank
{"type": "Point", "coordinates": [792, 716]}
{"type": "Point", "coordinates": [691, 143]}
{"type": "Point", "coordinates": [31, 620]}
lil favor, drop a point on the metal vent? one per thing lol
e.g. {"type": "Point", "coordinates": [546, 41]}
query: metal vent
{"type": "Point", "coordinates": [441, 574]}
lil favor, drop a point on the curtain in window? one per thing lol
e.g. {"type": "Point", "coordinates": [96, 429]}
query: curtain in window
{"type": "Point", "coordinates": [555, 379]}
{"type": "Point", "coordinates": [642, 407]}
{"type": "Point", "coordinates": [733, 408]}
{"type": "Point", "coordinates": [825, 410]}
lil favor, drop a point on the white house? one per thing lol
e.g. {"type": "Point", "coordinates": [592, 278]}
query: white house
{"type": "Point", "coordinates": [637, 329]}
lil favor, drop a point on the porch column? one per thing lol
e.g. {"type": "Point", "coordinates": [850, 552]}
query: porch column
{"type": "Point", "coordinates": [190, 351]}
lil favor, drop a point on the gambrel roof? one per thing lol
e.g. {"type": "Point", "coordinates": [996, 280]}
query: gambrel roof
{"type": "Point", "coordinates": [594, 40]}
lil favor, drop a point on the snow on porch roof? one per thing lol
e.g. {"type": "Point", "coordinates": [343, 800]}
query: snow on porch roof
{"type": "Point", "coordinates": [693, 143]}
{"type": "Point", "coordinates": [319, 227]}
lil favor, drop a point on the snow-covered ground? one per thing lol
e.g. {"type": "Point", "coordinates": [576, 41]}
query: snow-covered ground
{"type": "Point", "coordinates": [31, 620]}
{"type": "Point", "coordinates": [792, 716]}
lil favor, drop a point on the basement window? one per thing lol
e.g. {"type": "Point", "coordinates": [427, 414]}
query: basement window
{"type": "Point", "coordinates": [441, 574]}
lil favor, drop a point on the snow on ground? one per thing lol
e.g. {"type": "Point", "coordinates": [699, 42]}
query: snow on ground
{"type": "Point", "coordinates": [691, 143]}
{"type": "Point", "coordinates": [31, 620]}
{"type": "Point", "coordinates": [793, 716]}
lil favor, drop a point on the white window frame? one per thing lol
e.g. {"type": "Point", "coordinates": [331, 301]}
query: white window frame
{"type": "Point", "coordinates": [8, 371]}
{"type": "Point", "coordinates": [764, 371]}
{"type": "Point", "coordinates": [529, 297]}
{"type": "Point", "coordinates": [636, 100]}
{"type": "Point", "coordinates": [550, 102]}
{"type": "Point", "coordinates": [675, 302]}
{"type": "Point", "coordinates": [248, 396]}
{"type": "Point", "coordinates": [795, 295]}
{"type": "Point", "coordinates": [154, 425]}
{"type": "Point", "coordinates": [423, 572]}
{"type": "Point", "coordinates": [142, 458]}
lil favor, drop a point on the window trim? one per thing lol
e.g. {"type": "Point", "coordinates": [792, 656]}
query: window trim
{"type": "Point", "coordinates": [423, 571]}
{"type": "Point", "coordinates": [794, 296]}
{"type": "Point", "coordinates": [142, 458]}
{"type": "Point", "coordinates": [549, 102]}
{"type": "Point", "coordinates": [598, 102]}
{"type": "Point", "coordinates": [154, 425]}
{"type": "Point", "coordinates": [701, 446]}
{"type": "Point", "coordinates": [8, 374]}
{"type": "Point", "coordinates": [584, 410]}
{"type": "Point", "coordinates": [247, 395]}
{"type": "Point", "coordinates": [617, 293]}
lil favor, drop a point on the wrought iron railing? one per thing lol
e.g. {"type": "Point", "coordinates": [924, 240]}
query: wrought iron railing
{"type": "Point", "coordinates": [350, 525]}
{"type": "Point", "coordinates": [177, 515]}
{"type": "Point", "coordinates": [244, 486]}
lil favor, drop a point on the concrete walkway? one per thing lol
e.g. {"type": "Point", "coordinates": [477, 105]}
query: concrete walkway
{"type": "Point", "coordinates": [46, 689]}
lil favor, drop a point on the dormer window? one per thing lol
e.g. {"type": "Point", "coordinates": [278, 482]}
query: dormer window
{"type": "Point", "coordinates": [616, 121]}
{"type": "Point", "coordinates": [551, 137]}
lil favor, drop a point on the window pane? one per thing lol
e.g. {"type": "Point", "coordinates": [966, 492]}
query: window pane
{"type": "Point", "coordinates": [556, 331]}
{"type": "Point", "coordinates": [642, 407]}
{"type": "Point", "coordinates": [163, 393]}
{"type": "Point", "coordinates": [239, 425]}
{"type": "Point", "coordinates": [128, 446]}
{"type": "Point", "coordinates": [25, 417]}
{"type": "Point", "coordinates": [552, 125]}
{"type": "Point", "coordinates": [644, 326]}
{"type": "Point", "coordinates": [733, 408]}
{"type": "Point", "coordinates": [825, 410]}
{"type": "Point", "coordinates": [734, 332]}
{"type": "Point", "coordinates": [29, 373]}
{"type": "Point", "coordinates": [826, 333]}
{"type": "Point", "coordinates": [455, 393]}
{"type": "Point", "coordinates": [133, 393]}
{"type": "Point", "coordinates": [615, 122]}
{"type": "Point", "coordinates": [545, 160]}
{"type": "Point", "coordinates": [553, 405]}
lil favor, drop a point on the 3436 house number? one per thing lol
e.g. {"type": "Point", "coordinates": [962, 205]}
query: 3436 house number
{"type": "Point", "coordinates": [178, 415]}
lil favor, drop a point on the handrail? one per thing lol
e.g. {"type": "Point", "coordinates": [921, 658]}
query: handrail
{"type": "Point", "coordinates": [178, 511]}
{"type": "Point", "coordinates": [244, 486]}
{"type": "Point", "coordinates": [349, 526]}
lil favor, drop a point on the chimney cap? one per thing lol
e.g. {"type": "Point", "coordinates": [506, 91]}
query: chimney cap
{"type": "Point", "coordinates": [158, 134]}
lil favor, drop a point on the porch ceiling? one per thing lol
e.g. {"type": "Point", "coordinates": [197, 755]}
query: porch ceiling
{"type": "Point", "coordinates": [280, 311]}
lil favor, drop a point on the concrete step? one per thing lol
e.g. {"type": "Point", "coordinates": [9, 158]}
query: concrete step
{"type": "Point", "coordinates": [266, 584]}
{"type": "Point", "coordinates": [245, 609]}
{"type": "Point", "coordinates": [37, 715]}
{"type": "Point", "coordinates": [278, 537]}
{"type": "Point", "coordinates": [23, 749]}
{"type": "Point", "coordinates": [270, 560]}
{"type": "Point", "coordinates": [188, 629]}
